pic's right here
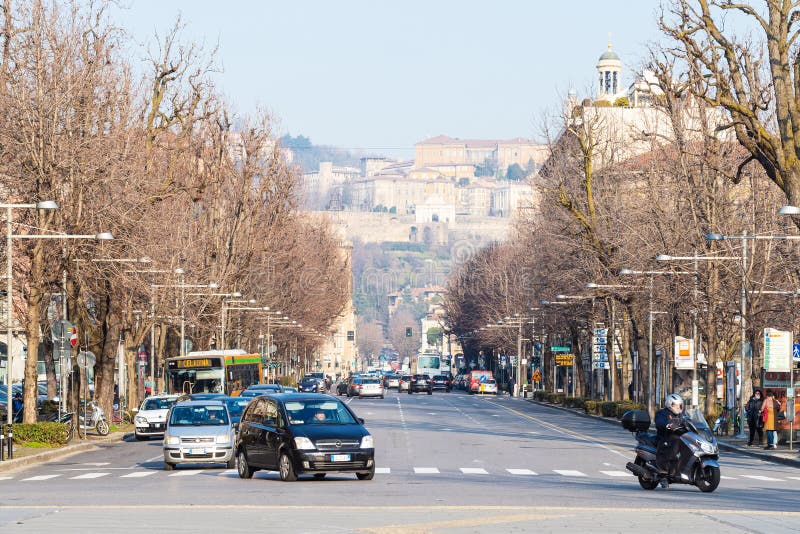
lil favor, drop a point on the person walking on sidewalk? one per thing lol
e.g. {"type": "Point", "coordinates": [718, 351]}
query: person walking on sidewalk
{"type": "Point", "coordinates": [754, 422]}
{"type": "Point", "coordinates": [769, 415]}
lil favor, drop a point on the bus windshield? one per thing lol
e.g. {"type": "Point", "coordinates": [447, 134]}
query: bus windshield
{"type": "Point", "coordinates": [195, 380]}
{"type": "Point", "coordinates": [428, 365]}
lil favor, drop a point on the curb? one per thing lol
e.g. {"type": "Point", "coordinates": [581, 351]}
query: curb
{"type": "Point", "coordinates": [722, 445]}
{"type": "Point", "coordinates": [57, 454]}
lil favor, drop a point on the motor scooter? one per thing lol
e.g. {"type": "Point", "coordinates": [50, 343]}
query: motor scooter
{"type": "Point", "coordinates": [696, 461]}
{"type": "Point", "coordinates": [95, 419]}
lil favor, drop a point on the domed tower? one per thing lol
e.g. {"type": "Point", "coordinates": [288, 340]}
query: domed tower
{"type": "Point", "coordinates": [609, 72]}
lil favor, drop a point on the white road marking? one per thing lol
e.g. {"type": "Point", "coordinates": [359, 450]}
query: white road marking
{"type": "Point", "coordinates": [617, 473]}
{"type": "Point", "coordinates": [138, 474]}
{"type": "Point", "coordinates": [6, 478]}
{"type": "Point", "coordinates": [495, 415]}
{"type": "Point", "coordinates": [95, 463]}
{"type": "Point", "coordinates": [431, 413]}
{"type": "Point", "coordinates": [426, 471]}
{"type": "Point", "coordinates": [382, 470]}
{"type": "Point", "coordinates": [40, 477]}
{"type": "Point", "coordinates": [723, 477]}
{"type": "Point", "coordinates": [569, 473]}
{"type": "Point", "coordinates": [229, 473]}
{"type": "Point", "coordinates": [89, 475]}
{"type": "Point", "coordinates": [532, 432]}
{"type": "Point", "coordinates": [473, 471]}
{"type": "Point", "coordinates": [186, 473]}
{"type": "Point", "coordinates": [762, 477]}
{"type": "Point", "coordinates": [521, 471]}
{"type": "Point", "coordinates": [794, 478]}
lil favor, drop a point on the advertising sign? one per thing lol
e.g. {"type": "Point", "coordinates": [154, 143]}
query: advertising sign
{"type": "Point", "coordinates": [684, 353]}
{"type": "Point", "coordinates": [778, 348]}
{"type": "Point", "coordinates": [565, 359]}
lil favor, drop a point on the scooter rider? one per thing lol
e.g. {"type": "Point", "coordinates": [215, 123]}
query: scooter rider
{"type": "Point", "coordinates": [668, 423]}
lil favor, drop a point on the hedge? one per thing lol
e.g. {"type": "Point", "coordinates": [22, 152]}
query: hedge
{"type": "Point", "coordinates": [604, 408]}
{"type": "Point", "coordinates": [52, 434]}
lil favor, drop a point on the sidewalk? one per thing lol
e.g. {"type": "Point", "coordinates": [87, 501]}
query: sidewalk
{"type": "Point", "coordinates": [781, 455]}
{"type": "Point", "coordinates": [27, 456]}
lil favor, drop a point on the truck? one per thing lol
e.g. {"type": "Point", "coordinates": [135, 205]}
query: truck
{"type": "Point", "coordinates": [476, 378]}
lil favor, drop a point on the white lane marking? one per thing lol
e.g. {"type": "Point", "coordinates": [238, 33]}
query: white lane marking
{"type": "Point", "coordinates": [794, 478]}
{"type": "Point", "coordinates": [382, 470]}
{"type": "Point", "coordinates": [138, 474]}
{"type": "Point", "coordinates": [762, 477]}
{"type": "Point", "coordinates": [186, 473]}
{"type": "Point", "coordinates": [431, 413]}
{"type": "Point", "coordinates": [426, 471]}
{"type": "Point", "coordinates": [154, 458]}
{"type": "Point", "coordinates": [723, 477]}
{"type": "Point", "coordinates": [6, 478]}
{"type": "Point", "coordinates": [40, 477]}
{"type": "Point", "coordinates": [228, 473]}
{"type": "Point", "coordinates": [617, 473]}
{"type": "Point", "coordinates": [89, 475]}
{"type": "Point", "coordinates": [495, 415]}
{"type": "Point", "coordinates": [521, 471]}
{"type": "Point", "coordinates": [532, 432]}
{"type": "Point", "coordinates": [569, 473]}
{"type": "Point", "coordinates": [95, 463]}
{"type": "Point", "coordinates": [473, 471]}
{"type": "Point", "coordinates": [447, 430]}
{"type": "Point", "coordinates": [607, 464]}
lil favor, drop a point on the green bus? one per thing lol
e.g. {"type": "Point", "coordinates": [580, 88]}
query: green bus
{"type": "Point", "coordinates": [213, 371]}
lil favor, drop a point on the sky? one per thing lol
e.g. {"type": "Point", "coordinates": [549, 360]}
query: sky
{"type": "Point", "coordinates": [377, 76]}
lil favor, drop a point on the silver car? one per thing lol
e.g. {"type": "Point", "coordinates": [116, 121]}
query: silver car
{"type": "Point", "coordinates": [198, 432]}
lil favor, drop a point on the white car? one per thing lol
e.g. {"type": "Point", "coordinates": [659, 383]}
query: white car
{"type": "Point", "coordinates": [370, 387]}
{"type": "Point", "coordinates": [490, 386]}
{"type": "Point", "coordinates": [151, 419]}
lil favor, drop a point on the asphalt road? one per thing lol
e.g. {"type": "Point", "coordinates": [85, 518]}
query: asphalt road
{"type": "Point", "coordinates": [448, 462]}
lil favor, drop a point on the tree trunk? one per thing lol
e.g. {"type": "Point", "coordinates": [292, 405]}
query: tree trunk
{"type": "Point", "coordinates": [32, 332]}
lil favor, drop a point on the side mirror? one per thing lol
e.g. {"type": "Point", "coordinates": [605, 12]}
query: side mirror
{"type": "Point", "coordinates": [361, 420]}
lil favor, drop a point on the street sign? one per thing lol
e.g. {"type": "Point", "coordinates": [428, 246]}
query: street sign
{"type": "Point", "coordinates": [796, 352]}
{"type": "Point", "coordinates": [684, 353]}
{"type": "Point", "coordinates": [558, 348]}
{"type": "Point", "coordinates": [600, 365]}
{"type": "Point", "coordinates": [777, 350]}
{"type": "Point", "coordinates": [86, 359]}
{"type": "Point", "coordinates": [73, 337]}
{"type": "Point", "coordinates": [565, 359]}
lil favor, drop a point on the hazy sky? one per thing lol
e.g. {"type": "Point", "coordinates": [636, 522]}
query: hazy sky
{"type": "Point", "coordinates": [378, 76]}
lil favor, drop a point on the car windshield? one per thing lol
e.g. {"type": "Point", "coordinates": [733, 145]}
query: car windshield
{"type": "Point", "coordinates": [318, 412]}
{"type": "Point", "coordinates": [308, 381]}
{"type": "Point", "coordinates": [157, 404]}
{"type": "Point", "coordinates": [199, 415]}
{"type": "Point", "coordinates": [236, 406]}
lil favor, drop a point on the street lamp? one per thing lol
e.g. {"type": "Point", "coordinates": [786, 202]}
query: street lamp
{"type": "Point", "coordinates": [183, 287]}
{"type": "Point", "coordinates": [42, 205]}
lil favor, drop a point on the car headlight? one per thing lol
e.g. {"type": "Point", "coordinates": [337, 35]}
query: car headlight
{"type": "Point", "coordinates": [367, 442]}
{"type": "Point", "coordinates": [224, 438]}
{"type": "Point", "coordinates": [303, 443]}
{"type": "Point", "coordinates": [140, 419]}
{"type": "Point", "coordinates": [172, 440]}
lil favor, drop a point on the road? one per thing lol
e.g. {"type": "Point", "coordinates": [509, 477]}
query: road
{"type": "Point", "coordinates": [448, 462]}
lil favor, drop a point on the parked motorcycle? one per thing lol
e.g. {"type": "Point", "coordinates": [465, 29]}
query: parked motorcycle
{"type": "Point", "coordinates": [96, 419]}
{"type": "Point", "coordinates": [697, 459]}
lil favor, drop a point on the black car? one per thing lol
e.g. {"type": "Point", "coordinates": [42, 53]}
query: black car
{"type": "Point", "coordinates": [442, 382]}
{"type": "Point", "coordinates": [311, 384]}
{"type": "Point", "coordinates": [299, 433]}
{"type": "Point", "coordinates": [420, 383]}
{"type": "Point", "coordinates": [199, 396]}
{"type": "Point", "coordinates": [261, 389]}
{"type": "Point", "coordinates": [344, 385]}
{"type": "Point", "coordinates": [236, 406]}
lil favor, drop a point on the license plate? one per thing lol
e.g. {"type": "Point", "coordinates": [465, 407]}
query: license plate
{"type": "Point", "coordinates": [340, 457]}
{"type": "Point", "coordinates": [197, 451]}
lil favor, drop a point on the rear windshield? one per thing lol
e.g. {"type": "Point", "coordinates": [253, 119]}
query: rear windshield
{"type": "Point", "coordinates": [370, 381]}
{"type": "Point", "coordinates": [157, 404]}
{"type": "Point", "coordinates": [200, 415]}
{"type": "Point", "coordinates": [236, 405]}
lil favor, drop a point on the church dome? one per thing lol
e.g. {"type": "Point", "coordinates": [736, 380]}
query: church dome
{"type": "Point", "coordinates": [609, 54]}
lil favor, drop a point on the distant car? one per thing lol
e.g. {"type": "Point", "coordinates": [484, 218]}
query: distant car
{"type": "Point", "coordinates": [288, 389]}
{"type": "Point", "coordinates": [442, 382]}
{"type": "Point", "coordinates": [490, 386]}
{"type": "Point", "coordinates": [371, 387]}
{"type": "Point", "coordinates": [236, 406]}
{"type": "Point", "coordinates": [393, 381]}
{"type": "Point", "coordinates": [303, 433]}
{"type": "Point", "coordinates": [311, 384]}
{"type": "Point", "coordinates": [198, 396]}
{"type": "Point", "coordinates": [261, 389]}
{"type": "Point", "coordinates": [342, 385]}
{"type": "Point", "coordinates": [420, 383]}
{"type": "Point", "coordinates": [198, 432]}
{"type": "Point", "coordinates": [151, 419]}
{"type": "Point", "coordinates": [353, 386]}
{"type": "Point", "coordinates": [404, 383]}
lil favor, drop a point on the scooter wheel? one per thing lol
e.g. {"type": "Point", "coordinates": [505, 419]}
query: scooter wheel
{"type": "Point", "coordinates": [646, 483]}
{"type": "Point", "coordinates": [707, 478]}
{"type": "Point", "coordinates": [102, 428]}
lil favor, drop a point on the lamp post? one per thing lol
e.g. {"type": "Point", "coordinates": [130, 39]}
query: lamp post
{"type": "Point", "coordinates": [223, 316]}
{"type": "Point", "coordinates": [183, 287]}
{"type": "Point", "coordinates": [42, 205]}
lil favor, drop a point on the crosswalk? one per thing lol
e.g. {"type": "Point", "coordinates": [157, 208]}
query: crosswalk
{"type": "Point", "coordinates": [514, 472]}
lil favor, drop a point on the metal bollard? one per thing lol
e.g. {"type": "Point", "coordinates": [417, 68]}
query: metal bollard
{"type": "Point", "coordinates": [10, 443]}
{"type": "Point", "coordinates": [2, 437]}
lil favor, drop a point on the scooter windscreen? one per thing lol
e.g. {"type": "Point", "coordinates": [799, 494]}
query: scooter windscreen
{"type": "Point", "coordinates": [695, 416]}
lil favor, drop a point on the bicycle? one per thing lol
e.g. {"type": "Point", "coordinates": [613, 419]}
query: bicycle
{"type": "Point", "coordinates": [69, 426]}
{"type": "Point", "coordinates": [121, 417]}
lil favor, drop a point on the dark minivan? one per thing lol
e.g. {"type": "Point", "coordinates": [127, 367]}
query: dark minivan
{"type": "Point", "coordinates": [299, 433]}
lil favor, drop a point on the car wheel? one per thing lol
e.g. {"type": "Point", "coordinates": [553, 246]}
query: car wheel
{"type": "Point", "coordinates": [244, 469]}
{"type": "Point", "coordinates": [319, 476]}
{"type": "Point", "coordinates": [381, 397]}
{"type": "Point", "coordinates": [367, 476]}
{"type": "Point", "coordinates": [287, 469]}
{"type": "Point", "coordinates": [168, 466]}
{"type": "Point", "coordinates": [430, 392]}
{"type": "Point", "coordinates": [409, 391]}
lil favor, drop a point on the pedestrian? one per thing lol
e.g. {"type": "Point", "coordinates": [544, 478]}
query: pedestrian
{"type": "Point", "coordinates": [754, 423]}
{"type": "Point", "coordinates": [511, 386]}
{"type": "Point", "coordinates": [16, 407]}
{"type": "Point", "coordinates": [148, 386]}
{"type": "Point", "coordinates": [769, 415]}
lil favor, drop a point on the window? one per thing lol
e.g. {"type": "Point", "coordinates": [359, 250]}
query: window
{"type": "Point", "coordinates": [608, 81]}
{"type": "Point", "coordinates": [255, 413]}
{"type": "Point", "coordinates": [615, 82]}
{"type": "Point", "coordinates": [271, 414]}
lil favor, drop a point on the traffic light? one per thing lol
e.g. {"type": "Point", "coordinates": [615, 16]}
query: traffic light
{"type": "Point", "coordinates": [409, 333]}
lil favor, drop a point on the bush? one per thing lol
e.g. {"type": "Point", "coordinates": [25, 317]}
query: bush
{"type": "Point", "coordinates": [624, 406]}
{"type": "Point", "coordinates": [51, 434]}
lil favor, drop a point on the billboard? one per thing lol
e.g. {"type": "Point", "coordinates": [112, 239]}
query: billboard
{"type": "Point", "coordinates": [778, 345]}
